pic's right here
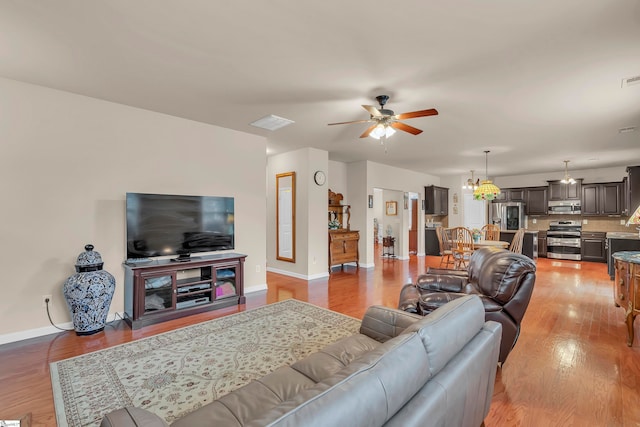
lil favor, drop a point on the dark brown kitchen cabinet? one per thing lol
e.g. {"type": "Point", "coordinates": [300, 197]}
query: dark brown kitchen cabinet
{"type": "Point", "coordinates": [602, 199]}
{"type": "Point", "coordinates": [593, 246]}
{"type": "Point", "coordinates": [542, 243]}
{"type": "Point", "coordinates": [536, 201]}
{"type": "Point", "coordinates": [511, 195]}
{"type": "Point", "coordinates": [560, 191]}
{"type": "Point", "coordinates": [436, 200]}
{"type": "Point", "coordinates": [517, 195]}
{"type": "Point", "coordinates": [632, 192]}
{"type": "Point", "coordinates": [431, 244]}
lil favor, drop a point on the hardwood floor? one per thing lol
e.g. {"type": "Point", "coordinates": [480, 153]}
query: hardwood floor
{"type": "Point", "coordinates": [570, 367]}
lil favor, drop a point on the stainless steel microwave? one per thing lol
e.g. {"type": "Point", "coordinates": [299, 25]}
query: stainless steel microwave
{"type": "Point", "coordinates": [564, 207]}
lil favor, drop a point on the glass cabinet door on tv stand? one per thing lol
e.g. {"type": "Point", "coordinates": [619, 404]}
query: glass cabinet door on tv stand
{"type": "Point", "coordinates": [164, 289]}
{"type": "Point", "coordinates": [158, 292]}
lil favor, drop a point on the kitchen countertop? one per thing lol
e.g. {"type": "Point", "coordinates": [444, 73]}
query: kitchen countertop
{"type": "Point", "coordinates": [628, 256]}
{"type": "Point", "coordinates": [525, 231]}
{"type": "Point", "coordinates": [622, 235]}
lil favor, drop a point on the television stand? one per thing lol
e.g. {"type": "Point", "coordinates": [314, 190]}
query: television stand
{"type": "Point", "coordinates": [184, 258]}
{"type": "Point", "coordinates": [167, 289]}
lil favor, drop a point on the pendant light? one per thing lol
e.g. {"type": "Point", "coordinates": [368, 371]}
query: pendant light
{"type": "Point", "coordinates": [567, 178]}
{"type": "Point", "coordinates": [487, 190]}
{"type": "Point", "coordinates": [471, 183]}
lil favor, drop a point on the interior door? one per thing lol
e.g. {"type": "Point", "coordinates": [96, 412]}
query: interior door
{"type": "Point", "coordinates": [413, 227]}
{"type": "Point", "coordinates": [475, 212]}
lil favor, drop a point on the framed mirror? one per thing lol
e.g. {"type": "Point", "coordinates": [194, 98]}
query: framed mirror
{"type": "Point", "coordinates": [286, 216]}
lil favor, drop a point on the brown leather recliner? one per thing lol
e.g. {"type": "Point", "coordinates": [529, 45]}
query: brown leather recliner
{"type": "Point", "coordinates": [504, 281]}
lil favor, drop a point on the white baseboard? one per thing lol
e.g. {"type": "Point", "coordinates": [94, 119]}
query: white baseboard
{"type": "Point", "coordinates": [298, 275]}
{"type": "Point", "coordinates": [256, 288]}
{"type": "Point", "coordinates": [46, 330]}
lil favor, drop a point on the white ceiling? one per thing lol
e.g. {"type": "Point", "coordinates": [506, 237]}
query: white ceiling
{"type": "Point", "coordinates": [534, 81]}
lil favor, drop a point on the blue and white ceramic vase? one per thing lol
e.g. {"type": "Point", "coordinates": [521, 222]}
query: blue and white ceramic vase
{"type": "Point", "coordinates": [89, 293]}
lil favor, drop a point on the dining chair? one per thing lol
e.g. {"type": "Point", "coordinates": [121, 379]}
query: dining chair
{"type": "Point", "coordinates": [462, 246]}
{"type": "Point", "coordinates": [491, 232]}
{"type": "Point", "coordinates": [516, 243]}
{"type": "Point", "coordinates": [444, 241]}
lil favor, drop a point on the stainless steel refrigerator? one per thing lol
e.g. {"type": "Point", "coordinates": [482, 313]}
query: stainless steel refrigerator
{"type": "Point", "coordinates": [508, 215]}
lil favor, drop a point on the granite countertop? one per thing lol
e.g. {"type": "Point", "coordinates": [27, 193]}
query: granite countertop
{"type": "Point", "coordinates": [525, 231]}
{"type": "Point", "coordinates": [628, 256]}
{"type": "Point", "coordinates": [622, 235]}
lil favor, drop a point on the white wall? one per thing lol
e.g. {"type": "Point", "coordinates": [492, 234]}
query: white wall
{"type": "Point", "coordinates": [311, 213]}
{"type": "Point", "coordinates": [363, 177]}
{"type": "Point", "coordinates": [614, 174]}
{"type": "Point", "coordinates": [66, 162]}
{"type": "Point", "coordinates": [337, 180]}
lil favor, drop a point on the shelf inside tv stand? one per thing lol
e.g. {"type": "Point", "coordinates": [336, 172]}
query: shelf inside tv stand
{"type": "Point", "coordinates": [162, 290]}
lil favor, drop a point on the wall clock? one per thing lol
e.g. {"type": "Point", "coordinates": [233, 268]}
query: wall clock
{"type": "Point", "coordinates": [319, 177]}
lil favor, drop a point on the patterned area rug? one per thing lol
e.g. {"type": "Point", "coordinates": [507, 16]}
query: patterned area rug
{"type": "Point", "coordinates": [173, 373]}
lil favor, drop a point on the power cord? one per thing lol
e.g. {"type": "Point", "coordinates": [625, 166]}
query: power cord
{"type": "Point", "coordinates": [46, 301]}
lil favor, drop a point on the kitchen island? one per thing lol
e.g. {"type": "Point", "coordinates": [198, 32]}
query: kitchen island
{"type": "Point", "coordinates": [626, 287]}
{"type": "Point", "coordinates": [529, 243]}
{"type": "Point", "coordinates": [618, 242]}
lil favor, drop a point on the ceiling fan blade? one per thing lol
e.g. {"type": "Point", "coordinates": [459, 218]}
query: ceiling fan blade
{"type": "Point", "coordinates": [372, 110]}
{"type": "Point", "coordinates": [414, 114]}
{"type": "Point", "coordinates": [368, 131]}
{"type": "Point", "coordinates": [405, 127]}
{"type": "Point", "coordinates": [347, 123]}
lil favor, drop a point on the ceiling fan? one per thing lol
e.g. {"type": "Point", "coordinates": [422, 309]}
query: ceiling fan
{"type": "Point", "coordinates": [384, 119]}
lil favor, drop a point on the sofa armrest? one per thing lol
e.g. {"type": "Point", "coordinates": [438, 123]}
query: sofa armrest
{"type": "Point", "coordinates": [132, 417]}
{"type": "Point", "coordinates": [441, 282]}
{"type": "Point", "coordinates": [383, 323]}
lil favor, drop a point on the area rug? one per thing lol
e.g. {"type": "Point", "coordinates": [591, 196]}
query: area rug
{"type": "Point", "coordinates": [173, 373]}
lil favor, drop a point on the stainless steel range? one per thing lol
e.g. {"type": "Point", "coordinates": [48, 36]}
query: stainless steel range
{"type": "Point", "coordinates": [563, 240]}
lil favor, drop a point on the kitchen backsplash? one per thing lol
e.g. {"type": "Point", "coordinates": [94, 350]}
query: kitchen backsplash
{"type": "Point", "coordinates": [594, 223]}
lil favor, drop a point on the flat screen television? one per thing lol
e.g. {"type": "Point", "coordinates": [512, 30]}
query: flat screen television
{"type": "Point", "coordinates": [164, 224]}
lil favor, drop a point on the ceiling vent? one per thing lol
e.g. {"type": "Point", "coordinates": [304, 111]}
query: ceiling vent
{"type": "Point", "coordinates": [271, 122]}
{"type": "Point", "coordinates": [631, 81]}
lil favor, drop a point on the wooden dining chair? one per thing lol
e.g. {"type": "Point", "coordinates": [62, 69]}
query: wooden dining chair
{"type": "Point", "coordinates": [491, 232]}
{"type": "Point", "coordinates": [444, 241]}
{"type": "Point", "coordinates": [462, 246]}
{"type": "Point", "coordinates": [516, 243]}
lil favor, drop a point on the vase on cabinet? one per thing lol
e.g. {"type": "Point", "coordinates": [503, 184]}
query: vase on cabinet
{"type": "Point", "coordinates": [89, 293]}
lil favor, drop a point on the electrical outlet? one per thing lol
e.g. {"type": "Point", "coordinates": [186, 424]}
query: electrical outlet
{"type": "Point", "coordinates": [258, 268]}
{"type": "Point", "coordinates": [314, 260]}
{"type": "Point", "coordinates": [44, 300]}
{"type": "Point", "coordinates": [622, 222]}
{"type": "Point", "coordinates": [535, 221]}
{"type": "Point", "coordinates": [585, 221]}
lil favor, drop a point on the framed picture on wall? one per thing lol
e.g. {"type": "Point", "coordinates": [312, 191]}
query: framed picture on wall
{"type": "Point", "coordinates": [392, 208]}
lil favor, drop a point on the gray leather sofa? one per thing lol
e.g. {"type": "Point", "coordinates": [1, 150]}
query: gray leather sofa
{"type": "Point", "coordinates": [402, 369]}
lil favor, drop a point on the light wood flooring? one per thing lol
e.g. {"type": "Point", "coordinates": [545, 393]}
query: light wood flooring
{"type": "Point", "coordinates": [570, 367]}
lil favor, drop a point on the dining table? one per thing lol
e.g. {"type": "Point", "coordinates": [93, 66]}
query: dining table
{"type": "Point", "coordinates": [487, 243]}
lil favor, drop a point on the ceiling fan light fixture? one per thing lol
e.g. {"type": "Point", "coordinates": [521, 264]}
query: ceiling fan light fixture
{"type": "Point", "coordinates": [382, 130]}
{"type": "Point", "coordinates": [487, 189]}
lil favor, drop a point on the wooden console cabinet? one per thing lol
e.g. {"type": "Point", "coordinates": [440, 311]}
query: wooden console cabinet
{"type": "Point", "coordinates": [626, 287]}
{"type": "Point", "coordinates": [160, 290]}
{"type": "Point", "coordinates": [343, 247]}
